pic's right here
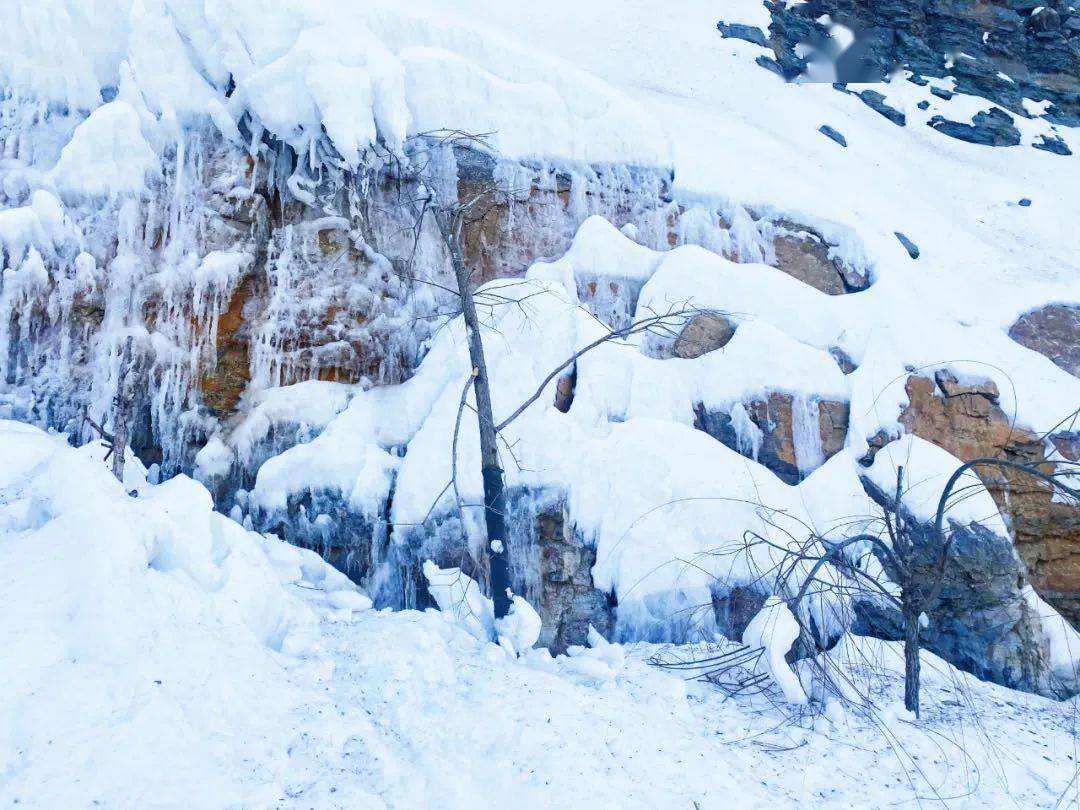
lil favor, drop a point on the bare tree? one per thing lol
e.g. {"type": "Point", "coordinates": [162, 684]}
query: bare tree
{"type": "Point", "coordinates": [902, 559]}
{"type": "Point", "coordinates": [452, 215]}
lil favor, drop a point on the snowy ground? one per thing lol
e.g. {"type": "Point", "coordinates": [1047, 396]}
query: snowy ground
{"type": "Point", "coordinates": [157, 655]}
{"type": "Point", "coordinates": [427, 716]}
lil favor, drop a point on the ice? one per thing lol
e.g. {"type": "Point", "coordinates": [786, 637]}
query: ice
{"type": "Point", "coordinates": [806, 435]}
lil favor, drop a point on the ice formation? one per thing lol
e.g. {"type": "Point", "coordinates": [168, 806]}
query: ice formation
{"type": "Point", "coordinates": [215, 184]}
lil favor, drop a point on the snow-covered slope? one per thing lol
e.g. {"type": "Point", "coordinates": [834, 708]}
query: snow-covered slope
{"type": "Point", "coordinates": [147, 641]}
{"type": "Point", "coordinates": [157, 655]}
{"type": "Point", "coordinates": [214, 180]}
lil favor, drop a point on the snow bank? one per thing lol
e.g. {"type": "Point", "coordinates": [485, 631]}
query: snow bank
{"type": "Point", "coordinates": [151, 622]}
{"type": "Point", "coordinates": [107, 154]}
{"type": "Point", "coordinates": [927, 468]}
{"type": "Point", "coordinates": [308, 71]}
{"type": "Point", "coordinates": [774, 630]}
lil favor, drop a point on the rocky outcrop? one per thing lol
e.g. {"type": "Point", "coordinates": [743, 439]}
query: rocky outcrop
{"type": "Point", "coordinates": [993, 128]}
{"type": "Point", "coordinates": [530, 211]}
{"type": "Point", "coordinates": [976, 42]}
{"type": "Point", "coordinates": [703, 334]}
{"type": "Point", "coordinates": [966, 420]}
{"type": "Point", "coordinates": [1054, 332]}
{"type": "Point", "coordinates": [550, 565]}
{"type": "Point", "coordinates": [806, 256]}
{"type": "Point", "coordinates": [568, 602]}
{"type": "Point", "coordinates": [792, 436]}
{"type": "Point", "coordinates": [982, 622]}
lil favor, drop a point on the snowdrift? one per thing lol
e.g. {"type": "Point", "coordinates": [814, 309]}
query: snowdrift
{"type": "Point", "coordinates": [144, 637]}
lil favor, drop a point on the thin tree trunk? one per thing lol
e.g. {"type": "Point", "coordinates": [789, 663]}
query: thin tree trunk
{"type": "Point", "coordinates": [121, 409]}
{"type": "Point", "coordinates": [911, 661]}
{"type": "Point", "coordinates": [491, 470]}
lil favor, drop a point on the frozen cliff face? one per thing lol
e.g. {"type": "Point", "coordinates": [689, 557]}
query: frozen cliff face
{"type": "Point", "coordinates": [192, 181]}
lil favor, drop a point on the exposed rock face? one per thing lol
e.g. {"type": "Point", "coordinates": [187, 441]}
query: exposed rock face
{"type": "Point", "coordinates": [993, 128]}
{"type": "Point", "coordinates": [982, 623]}
{"type": "Point", "coordinates": [1039, 52]}
{"type": "Point", "coordinates": [569, 604]}
{"type": "Point", "coordinates": [780, 443]}
{"type": "Point", "coordinates": [1054, 332]}
{"type": "Point", "coordinates": [224, 384]}
{"type": "Point", "coordinates": [550, 565]}
{"type": "Point", "coordinates": [323, 522]}
{"type": "Point", "coordinates": [804, 254]}
{"type": "Point", "coordinates": [735, 609]}
{"type": "Point", "coordinates": [611, 299]}
{"type": "Point", "coordinates": [966, 421]}
{"type": "Point", "coordinates": [537, 209]}
{"type": "Point", "coordinates": [703, 334]}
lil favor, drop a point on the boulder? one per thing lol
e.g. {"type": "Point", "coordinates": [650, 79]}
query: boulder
{"type": "Point", "coordinates": [1054, 332]}
{"type": "Point", "coordinates": [876, 102]}
{"type": "Point", "coordinates": [777, 443]}
{"type": "Point", "coordinates": [982, 622]}
{"type": "Point", "coordinates": [747, 33]}
{"type": "Point", "coordinates": [992, 128]}
{"type": "Point", "coordinates": [703, 334]}
{"type": "Point", "coordinates": [805, 255]}
{"type": "Point", "coordinates": [967, 421]}
{"type": "Point", "coordinates": [832, 134]}
{"type": "Point", "coordinates": [1053, 144]}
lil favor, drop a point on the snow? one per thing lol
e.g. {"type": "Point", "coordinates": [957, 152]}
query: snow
{"type": "Point", "coordinates": [519, 629]}
{"type": "Point", "coordinates": [120, 611]}
{"type": "Point", "coordinates": [156, 654]}
{"type": "Point", "coordinates": [927, 469]}
{"type": "Point", "coordinates": [107, 154]}
{"type": "Point", "coordinates": [774, 630]}
{"type": "Point", "coordinates": [250, 673]}
{"type": "Point", "coordinates": [461, 599]}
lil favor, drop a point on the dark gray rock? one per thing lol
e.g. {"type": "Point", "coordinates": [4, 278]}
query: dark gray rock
{"type": "Point", "coordinates": [772, 66]}
{"type": "Point", "coordinates": [1054, 144]}
{"type": "Point", "coordinates": [1054, 332]}
{"type": "Point", "coordinates": [941, 93]}
{"type": "Point", "coordinates": [843, 359]}
{"type": "Point", "coordinates": [911, 248]}
{"type": "Point", "coordinates": [1040, 52]}
{"type": "Point", "coordinates": [1024, 203]}
{"type": "Point", "coordinates": [982, 622]}
{"type": "Point", "coordinates": [747, 33]}
{"type": "Point", "coordinates": [876, 102]}
{"type": "Point", "coordinates": [993, 128]}
{"type": "Point", "coordinates": [924, 105]}
{"type": "Point", "coordinates": [703, 334]}
{"type": "Point", "coordinates": [1044, 20]}
{"type": "Point", "coordinates": [829, 132]}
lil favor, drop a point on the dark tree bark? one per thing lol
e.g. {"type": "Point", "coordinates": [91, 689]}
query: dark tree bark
{"type": "Point", "coordinates": [911, 659]}
{"type": "Point", "coordinates": [490, 468]}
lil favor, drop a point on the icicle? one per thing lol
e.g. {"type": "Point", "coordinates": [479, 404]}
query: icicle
{"type": "Point", "coordinates": [748, 436]}
{"type": "Point", "coordinates": [806, 434]}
